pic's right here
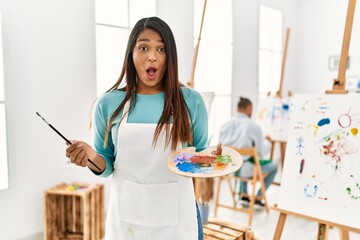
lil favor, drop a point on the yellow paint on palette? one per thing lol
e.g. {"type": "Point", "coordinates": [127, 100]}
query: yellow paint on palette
{"type": "Point", "coordinates": [219, 166]}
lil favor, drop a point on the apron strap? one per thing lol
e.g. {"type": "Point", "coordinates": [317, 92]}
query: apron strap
{"type": "Point", "coordinates": [126, 109]}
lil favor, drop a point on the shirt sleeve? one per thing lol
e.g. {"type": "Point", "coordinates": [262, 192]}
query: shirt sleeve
{"type": "Point", "coordinates": [262, 145]}
{"type": "Point", "coordinates": [99, 124]}
{"type": "Point", "coordinates": [200, 122]}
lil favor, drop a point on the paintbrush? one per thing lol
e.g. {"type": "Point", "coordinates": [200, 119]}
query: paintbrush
{"type": "Point", "coordinates": [62, 136]}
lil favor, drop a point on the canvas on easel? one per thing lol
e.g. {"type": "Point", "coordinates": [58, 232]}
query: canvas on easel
{"type": "Point", "coordinates": [321, 176]}
{"type": "Point", "coordinates": [274, 116]}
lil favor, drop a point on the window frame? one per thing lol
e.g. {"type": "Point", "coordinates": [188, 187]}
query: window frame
{"type": "Point", "coordinates": [132, 12]}
{"type": "Point", "coordinates": [275, 52]}
{"type": "Point", "coordinates": [8, 188]}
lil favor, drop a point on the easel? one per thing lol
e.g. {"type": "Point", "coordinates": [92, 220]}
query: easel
{"type": "Point", "coordinates": [282, 143]}
{"type": "Point", "coordinates": [190, 83]}
{"type": "Point", "coordinates": [323, 227]}
{"type": "Point", "coordinates": [283, 62]}
{"type": "Point", "coordinates": [338, 88]}
{"type": "Point", "coordinates": [203, 187]}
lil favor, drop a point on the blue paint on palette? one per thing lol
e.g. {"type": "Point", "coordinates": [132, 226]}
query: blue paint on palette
{"type": "Point", "coordinates": [194, 168]}
{"type": "Point", "coordinates": [183, 157]}
{"type": "Point", "coordinates": [323, 122]}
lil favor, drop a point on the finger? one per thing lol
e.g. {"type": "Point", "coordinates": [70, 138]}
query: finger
{"type": "Point", "coordinates": [71, 148]}
{"type": "Point", "coordinates": [74, 154]}
{"type": "Point", "coordinates": [80, 158]}
{"type": "Point", "coordinates": [83, 145]}
{"type": "Point", "coordinates": [84, 161]}
{"type": "Point", "coordinates": [71, 141]}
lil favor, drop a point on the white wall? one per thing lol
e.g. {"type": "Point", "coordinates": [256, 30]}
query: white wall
{"type": "Point", "coordinates": [246, 45]}
{"type": "Point", "coordinates": [321, 26]}
{"type": "Point", "coordinates": [49, 65]}
{"type": "Point", "coordinates": [179, 16]}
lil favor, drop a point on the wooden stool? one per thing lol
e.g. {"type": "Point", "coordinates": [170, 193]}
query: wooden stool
{"type": "Point", "coordinates": [74, 213]}
{"type": "Point", "coordinates": [282, 144]}
{"type": "Point", "coordinates": [258, 177]}
{"type": "Point", "coordinates": [217, 229]}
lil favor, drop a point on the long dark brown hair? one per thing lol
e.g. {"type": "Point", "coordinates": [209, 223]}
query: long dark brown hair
{"type": "Point", "coordinates": [175, 108]}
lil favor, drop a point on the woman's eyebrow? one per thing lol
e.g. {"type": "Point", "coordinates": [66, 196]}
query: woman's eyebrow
{"type": "Point", "coordinates": [143, 40]}
{"type": "Point", "coordinates": [148, 40]}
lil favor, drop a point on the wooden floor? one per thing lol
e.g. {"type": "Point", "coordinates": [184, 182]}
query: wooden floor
{"type": "Point", "coordinates": [264, 224]}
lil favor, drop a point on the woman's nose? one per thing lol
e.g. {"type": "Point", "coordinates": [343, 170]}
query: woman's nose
{"type": "Point", "coordinates": [151, 57]}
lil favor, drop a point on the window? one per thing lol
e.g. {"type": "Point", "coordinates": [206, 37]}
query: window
{"type": "Point", "coordinates": [270, 45]}
{"type": "Point", "coordinates": [4, 174]}
{"type": "Point", "coordinates": [217, 22]}
{"type": "Point", "coordinates": [114, 19]}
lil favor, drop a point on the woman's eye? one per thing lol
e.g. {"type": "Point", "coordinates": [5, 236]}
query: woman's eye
{"type": "Point", "coordinates": [162, 49]}
{"type": "Point", "coordinates": [143, 48]}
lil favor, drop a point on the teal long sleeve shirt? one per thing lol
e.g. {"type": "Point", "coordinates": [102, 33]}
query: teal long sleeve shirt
{"type": "Point", "coordinates": [148, 109]}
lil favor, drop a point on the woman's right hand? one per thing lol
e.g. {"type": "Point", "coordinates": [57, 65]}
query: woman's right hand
{"type": "Point", "coordinates": [79, 152]}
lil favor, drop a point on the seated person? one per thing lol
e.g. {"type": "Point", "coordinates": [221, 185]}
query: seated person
{"type": "Point", "coordinates": [242, 132]}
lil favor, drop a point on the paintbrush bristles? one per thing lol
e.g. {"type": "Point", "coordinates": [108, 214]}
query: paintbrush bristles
{"type": "Point", "coordinates": [42, 118]}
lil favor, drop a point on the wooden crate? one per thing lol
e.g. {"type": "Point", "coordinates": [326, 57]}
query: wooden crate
{"type": "Point", "coordinates": [217, 229]}
{"type": "Point", "coordinates": [74, 214]}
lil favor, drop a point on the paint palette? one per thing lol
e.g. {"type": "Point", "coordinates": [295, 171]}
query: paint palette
{"type": "Point", "coordinates": [186, 162]}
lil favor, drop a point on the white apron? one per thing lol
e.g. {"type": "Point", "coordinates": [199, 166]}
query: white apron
{"type": "Point", "coordinates": [147, 200]}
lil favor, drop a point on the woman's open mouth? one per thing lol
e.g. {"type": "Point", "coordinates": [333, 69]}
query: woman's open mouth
{"type": "Point", "coordinates": [151, 73]}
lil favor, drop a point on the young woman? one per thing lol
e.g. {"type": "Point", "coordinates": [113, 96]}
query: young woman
{"type": "Point", "coordinates": [136, 124]}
